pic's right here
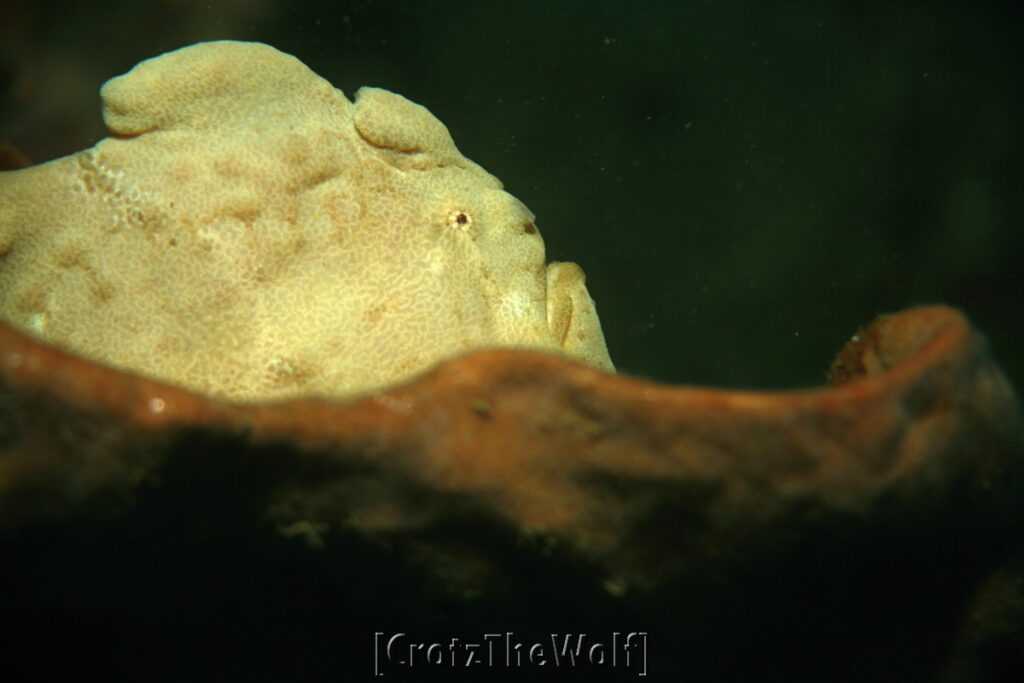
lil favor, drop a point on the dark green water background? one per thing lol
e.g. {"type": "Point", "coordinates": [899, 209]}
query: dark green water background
{"type": "Point", "coordinates": [744, 183]}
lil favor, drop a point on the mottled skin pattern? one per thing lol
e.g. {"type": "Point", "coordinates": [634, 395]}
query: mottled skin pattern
{"type": "Point", "coordinates": [248, 232]}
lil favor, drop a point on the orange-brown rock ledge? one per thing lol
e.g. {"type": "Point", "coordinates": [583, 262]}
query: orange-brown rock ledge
{"type": "Point", "coordinates": [865, 531]}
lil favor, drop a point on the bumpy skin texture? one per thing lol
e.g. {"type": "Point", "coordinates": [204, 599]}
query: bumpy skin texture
{"type": "Point", "coordinates": [248, 232]}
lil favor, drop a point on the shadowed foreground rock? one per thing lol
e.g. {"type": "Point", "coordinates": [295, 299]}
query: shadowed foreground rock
{"type": "Point", "coordinates": [866, 531]}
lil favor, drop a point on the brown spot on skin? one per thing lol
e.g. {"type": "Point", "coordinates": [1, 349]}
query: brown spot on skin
{"type": "Point", "coordinates": [247, 215]}
{"type": "Point", "coordinates": [6, 248]}
{"type": "Point", "coordinates": [71, 257]}
{"type": "Point", "coordinates": [376, 313]}
{"type": "Point", "coordinates": [296, 150]}
{"type": "Point", "coordinates": [31, 301]}
{"type": "Point", "coordinates": [529, 228]}
{"type": "Point", "coordinates": [298, 244]}
{"type": "Point", "coordinates": [228, 168]}
{"type": "Point", "coordinates": [101, 290]}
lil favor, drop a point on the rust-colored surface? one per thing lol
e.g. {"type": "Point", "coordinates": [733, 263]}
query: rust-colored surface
{"type": "Point", "coordinates": [914, 448]}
